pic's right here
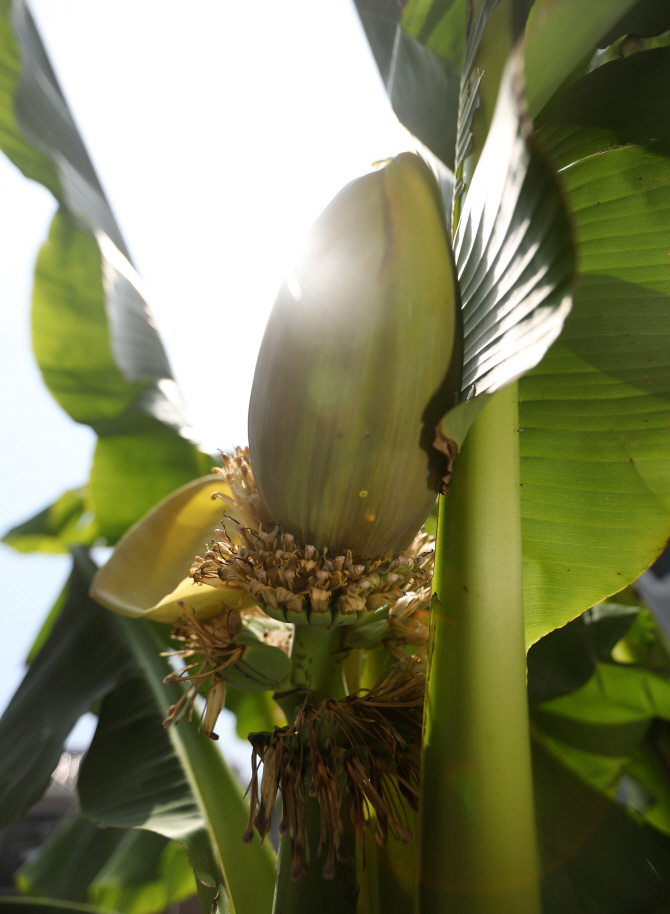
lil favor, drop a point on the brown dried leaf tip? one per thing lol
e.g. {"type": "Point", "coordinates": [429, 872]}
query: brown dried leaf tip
{"type": "Point", "coordinates": [371, 742]}
{"type": "Point", "coordinates": [208, 650]}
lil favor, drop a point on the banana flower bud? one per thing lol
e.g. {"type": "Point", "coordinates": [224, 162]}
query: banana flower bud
{"type": "Point", "coordinates": [361, 358]}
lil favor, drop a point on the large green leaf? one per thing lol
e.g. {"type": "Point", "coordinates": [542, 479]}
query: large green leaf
{"type": "Point", "coordinates": [132, 871]}
{"type": "Point", "coordinates": [83, 657]}
{"type": "Point", "coordinates": [646, 17]}
{"type": "Point", "coordinates": [141, 454]}
{"type": "Point", "coordinates": [91, 653]}
{"type": "Point", "coordinates": [566, 658]}
{"type": "Point", "coordinates": [595, 414]}
{"type": "Point", "coordinates": [423, 89]}
{"type": "Point", "coordinates": [596, 859]}
{"type": "Point", "coordinates": [138, 774]}
{"type": "Point", "coordinates": [624, 101]}
{"type": "Point", "coordinates": [94, 336]}
{"type": "Point", "coordinates": [69, 861]}
{"type": "Point", "coordinates": [67, 522]}
{"type": "Point", "coordinates": [562, 36]}
{"type": "Point", "coordinates": [134, 468]}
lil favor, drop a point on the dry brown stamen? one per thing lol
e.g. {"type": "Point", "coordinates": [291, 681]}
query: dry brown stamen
{"type": "Point", "coordinates": [370, 741]}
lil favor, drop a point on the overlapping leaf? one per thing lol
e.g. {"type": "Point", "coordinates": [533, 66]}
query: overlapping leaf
{"type": "Point", "coordinates": [175, 782]}
{"type": "Point", "coordinates": [131, 871]}
{"type": "Point", "coordinates": [81, 660]}
{"type": "Point", "coordinates": [595, 857]}
{"type": "Point", "coordinates": [188, 791]}
{"type": "Point", "coordinates": [561, 39]}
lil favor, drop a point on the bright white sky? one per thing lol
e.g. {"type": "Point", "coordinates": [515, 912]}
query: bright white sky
{"type": "Point", "coordinates": [219, 130]}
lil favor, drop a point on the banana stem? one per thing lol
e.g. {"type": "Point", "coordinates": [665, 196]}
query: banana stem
{"type": "Point", "coordinates": [318, 661]}
{"type": "Point", "coordinates": [312, 892]}
{"type": "Point", "coordinates": [318, 666]}
{"type": "Point", "coordinates": [478, 842]}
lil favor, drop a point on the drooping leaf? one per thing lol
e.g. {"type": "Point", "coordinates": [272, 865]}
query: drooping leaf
{"type": "Point", "coordinates": [83, 657]}
{"type": "Point", "coordinates": [67, 522]}
{"type": "Point", "coordinates": [48, 623]}
{"type": "Point", "coordinates": [379, 19]}
{"type": "Point", "coordinates": [138, 774]}
{"type": "Point", "coordinates": [594, 414]}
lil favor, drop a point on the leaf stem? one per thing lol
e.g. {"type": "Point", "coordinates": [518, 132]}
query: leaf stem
{"type": "Point", "coordinates": [478, 842]}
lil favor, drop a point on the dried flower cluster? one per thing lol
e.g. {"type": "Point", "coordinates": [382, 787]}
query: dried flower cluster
{"type": "Point", "coordinates": [408, 624]}
{"type": "Point", "coordinates": [298, 584]}
{"type": "Point", "coordinates": [208, 650]}
{"type": "Point", "coordinates": [369, 741]}
{"type": "Point", "coordinates": [244, 500]}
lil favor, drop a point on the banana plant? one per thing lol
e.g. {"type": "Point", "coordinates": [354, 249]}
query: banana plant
{"type": "Point", "coordinates": [484, 323]}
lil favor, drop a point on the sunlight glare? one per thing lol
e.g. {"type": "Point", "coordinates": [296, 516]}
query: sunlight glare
{"type": "Point", "coordinates": [219, 137]}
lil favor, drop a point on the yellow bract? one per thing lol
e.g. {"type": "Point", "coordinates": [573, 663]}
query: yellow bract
{"type": "Point", "coordinates": [147, 574]}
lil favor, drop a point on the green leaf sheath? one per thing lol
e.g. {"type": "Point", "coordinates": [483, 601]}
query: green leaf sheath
{"type": "Point", "coordinates": [478, 834]}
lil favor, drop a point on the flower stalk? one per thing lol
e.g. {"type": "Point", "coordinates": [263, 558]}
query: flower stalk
{"type": "Point", "coordinates": [479, 852]}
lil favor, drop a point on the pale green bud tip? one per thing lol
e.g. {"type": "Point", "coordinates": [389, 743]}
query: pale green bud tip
{"type": "Point", "coordinates": [361, 358]}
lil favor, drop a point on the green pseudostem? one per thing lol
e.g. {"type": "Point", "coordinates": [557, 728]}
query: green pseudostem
{"type": "Point", "coordinates": [478, 842]}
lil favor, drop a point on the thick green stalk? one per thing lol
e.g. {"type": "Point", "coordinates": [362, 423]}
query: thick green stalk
{"type": "Point", "coordinates": [478, 843]}
{"type": "Point", "coordinates": [312, 893]}
{"type": "Point", "coordinates": [318, 662]}
{"type": "Point", "coordinates": [318, 665]}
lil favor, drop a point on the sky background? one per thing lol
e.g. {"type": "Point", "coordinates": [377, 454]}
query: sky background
{"type": "Point", "coordinates": [219, 131]}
